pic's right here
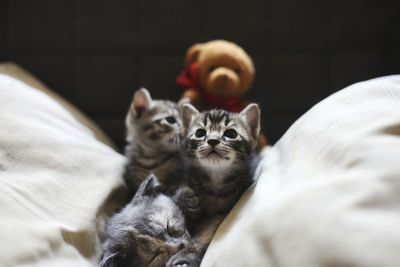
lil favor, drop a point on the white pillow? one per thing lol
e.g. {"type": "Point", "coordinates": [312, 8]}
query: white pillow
{"type": "Point", "coordinates": [328, 192]}
{"type": "Point", "coordinates": [56, 181]}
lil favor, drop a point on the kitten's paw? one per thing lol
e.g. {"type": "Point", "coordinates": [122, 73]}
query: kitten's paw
{"type": "Point", "coordinates": [189, 201]}
{"type": "Point", "coordinates": [184, 258]}
{"type": "Point", "coordinates": [179, 264]}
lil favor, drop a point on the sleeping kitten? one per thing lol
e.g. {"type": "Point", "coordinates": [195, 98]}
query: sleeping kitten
{"type": "Point", "coordinates": [154, 142]}
{"type": "Point", "coordinates": [219, 148]}
{"type": "Point", "coordinates": [146, 232]}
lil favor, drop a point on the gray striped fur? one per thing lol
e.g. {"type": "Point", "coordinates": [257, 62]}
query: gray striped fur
{"type": "Point", "coordinates": [154, 142]}
{"type": "Point", "coordinates": [146, 232]}
{"type": "Point", "coordinates": [219, 150]}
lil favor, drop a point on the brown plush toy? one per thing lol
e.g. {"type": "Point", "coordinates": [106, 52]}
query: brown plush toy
{"type": "Point", "coordinates": [218, 73]}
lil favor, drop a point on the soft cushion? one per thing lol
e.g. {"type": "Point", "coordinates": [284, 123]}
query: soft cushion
{"type": "Point", "coordinates": [21, 74]}
{"type": "Point", "coordinates": [328, 193]}
{"type": "Point", "coordinates": [58, 181]}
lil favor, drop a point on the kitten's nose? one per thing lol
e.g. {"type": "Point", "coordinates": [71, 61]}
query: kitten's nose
{"type": "Point", "coordinates": [213, 142]}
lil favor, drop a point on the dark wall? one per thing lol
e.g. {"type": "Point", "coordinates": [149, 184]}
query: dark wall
{"type": "Point", "coordinates": [96, 53]}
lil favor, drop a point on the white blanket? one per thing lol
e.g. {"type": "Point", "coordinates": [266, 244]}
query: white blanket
{"type": "Point", "coordinates": [56, 181]}
{"type": "Point", "coordinates": [328, 192]}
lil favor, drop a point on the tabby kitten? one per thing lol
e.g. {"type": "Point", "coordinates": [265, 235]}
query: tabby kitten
{"type": "Point", "coordinates": [154, 142]}
{"type": "Point", "coordinates": [146, 232]}
{"type": "Point", "coordinates": [220, 150]}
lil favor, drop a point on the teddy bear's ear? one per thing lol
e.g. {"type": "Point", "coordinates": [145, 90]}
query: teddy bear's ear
{"type": "Point", "coordinates": [188, 111]}
{"type": "Point", "coordinates": [141, 101]}
{"type": "Point", "coordinates": [193, 53]}
{"type": "Point", "coordinates": [251, 115]}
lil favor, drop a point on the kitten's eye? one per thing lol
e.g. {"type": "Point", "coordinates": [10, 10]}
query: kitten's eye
{"type": "Point", "coordinates": [154, 257]}
{"type": "Point", "coordinates": [230, 133]}
{"type": "Point", "coordinates": [237, 70]}
{"type": "Point", "coordinates": [200, 133]}
{"type": "Point", "coordinates": [170, 119]}
{"type": "Point", "coordinates": [212, 68]}
{"type": "Point", "coordinates": [172, 232]}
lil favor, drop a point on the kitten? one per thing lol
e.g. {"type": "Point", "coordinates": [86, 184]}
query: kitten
{"type": "Point", "coordinates": [146, 232]}
{"type": "Point", "coordinates": [220, 150]}
{"type": "Point", "coordinates": [154, 142]}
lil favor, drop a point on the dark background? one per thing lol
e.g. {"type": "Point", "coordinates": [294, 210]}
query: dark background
{"type": "Point", "coordinates": [96, 53]}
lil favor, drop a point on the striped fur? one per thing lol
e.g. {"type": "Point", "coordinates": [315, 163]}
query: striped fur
{"type": "Point", "coordinates": [219, 152]}
{"type": "Point", "coordinates": [154, 142]}
{"type": "Point", "coordinates": [146, 232]}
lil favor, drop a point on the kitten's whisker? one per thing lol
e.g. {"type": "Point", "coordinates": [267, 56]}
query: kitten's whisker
{"type": "Point", "coordinates": [105, 259]}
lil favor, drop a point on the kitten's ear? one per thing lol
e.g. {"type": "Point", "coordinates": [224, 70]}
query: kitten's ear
{"type": "Point", "coordinates": [183, 101]}
{"type": "Point", "coordinates": [141, 101]}
{"type": "Point", "coordinates": [151, 186]}
{"type": "Point", "coordinates": [188, 111]}
{"type": "Point", "coordinates": [251, 115]}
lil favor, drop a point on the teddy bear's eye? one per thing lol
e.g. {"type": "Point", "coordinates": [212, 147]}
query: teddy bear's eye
{"type": "Point", "coordinates": [212, 68]}
{"type": "Point", "coordinates": [238, 71]}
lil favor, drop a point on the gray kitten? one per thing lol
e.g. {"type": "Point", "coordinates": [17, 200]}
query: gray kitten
{"type": "Point", "coordinates": [220, 152]}
{"type": "Point", "coordinates": [154, 142]}
{"type": "Point", "coordinates": [146, 232]}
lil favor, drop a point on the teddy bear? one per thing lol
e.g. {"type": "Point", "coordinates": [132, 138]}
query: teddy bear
{"type": "Point", "coordinates": [217, 74]}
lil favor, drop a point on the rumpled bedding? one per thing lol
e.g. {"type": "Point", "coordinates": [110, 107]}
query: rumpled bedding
{"type": "Point", "coordinates": [327, 194]}
{"type": "Point", "coordinates": [58, 183]}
